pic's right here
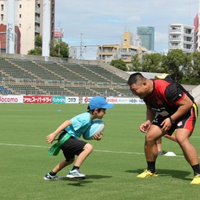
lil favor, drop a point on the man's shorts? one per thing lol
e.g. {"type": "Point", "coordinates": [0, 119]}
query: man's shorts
{"type": "Point", "coordinates": [187, 121]}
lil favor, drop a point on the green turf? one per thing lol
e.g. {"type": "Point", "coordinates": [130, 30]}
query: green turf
{"type": "Point", "coordinates": [111, 169]}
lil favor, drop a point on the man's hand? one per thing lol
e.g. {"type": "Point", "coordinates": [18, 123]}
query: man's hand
{"type": "Point", "coordinates": [166, 124]}
{"type": "Point", "coordinates": [145, 126]}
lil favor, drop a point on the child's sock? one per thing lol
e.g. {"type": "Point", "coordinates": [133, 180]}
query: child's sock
{"type": "Point", "coordinates": [75, 167]}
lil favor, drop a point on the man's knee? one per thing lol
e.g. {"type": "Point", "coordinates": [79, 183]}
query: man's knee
{"type": "Point", "coordinates": [150, 139]}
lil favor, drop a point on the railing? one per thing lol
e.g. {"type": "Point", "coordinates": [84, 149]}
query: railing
{"type": "Point", "coordinates": [66, 93]}
{"type": "Point", "coordinates": [61, 83]}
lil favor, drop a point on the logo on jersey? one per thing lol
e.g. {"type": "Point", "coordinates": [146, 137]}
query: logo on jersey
{"type": "Point", "coordinates": [180, 124]}
{"type": "Point", "coordinates": [180, 95]}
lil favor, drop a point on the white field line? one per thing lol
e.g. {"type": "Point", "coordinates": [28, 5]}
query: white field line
{"type": "Point", "coordinates": [104, 151]}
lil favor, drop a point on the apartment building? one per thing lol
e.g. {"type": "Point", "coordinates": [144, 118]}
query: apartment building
{"type": "Point", "coordinates": [123, 51]}
{"type": "Point", "coordinates": [181, 36]}
{"type": "Point", "coordinates": [28, 18]}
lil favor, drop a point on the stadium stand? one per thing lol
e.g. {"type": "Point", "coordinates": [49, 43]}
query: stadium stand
{"type": "Point", "coordinates": [73, 77]}
{"type": "Point", "coordinates": [4, 90]}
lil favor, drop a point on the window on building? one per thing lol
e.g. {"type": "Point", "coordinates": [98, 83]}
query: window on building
{"type": "Point", "coordinates": [2, 7]}
{"type": "Point", "coordinates": [175, 28]}
{"type": "Point", "coordinates": [2, 17]}
{"type": "Point", "coordinates": [20, 5]}
{"type": "Point", "coordinates": [20, 25]}
{"type": "Point", "coordinates": [20, 15]}
{"type": "Point", "coordinates": [188, 31]}
{"type": "Point", "coordinates": [175, 36]}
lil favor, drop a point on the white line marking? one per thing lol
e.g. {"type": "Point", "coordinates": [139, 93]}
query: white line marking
{"type": "Point", "coordinates": [104, 151]}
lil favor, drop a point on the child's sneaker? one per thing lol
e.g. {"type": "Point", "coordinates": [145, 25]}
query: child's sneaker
{"type": "Point", "coordinates": [50, 177]}
{"type": "Point", "coordinates": [75, 174]}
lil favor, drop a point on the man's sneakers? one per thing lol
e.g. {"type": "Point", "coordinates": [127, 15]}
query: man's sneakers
{"type": "Point", "coordinates": [75, 174]}
{"type": "Point", "coordinates": [196, 180]}
{"type": "Point", "coordinates": [147, 174]}
{"type": "Point", "coordinates": [50, 177]}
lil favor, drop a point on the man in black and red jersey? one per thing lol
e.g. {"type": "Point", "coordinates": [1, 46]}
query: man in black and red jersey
{"type": "Point", "coordinates": [175, 110]}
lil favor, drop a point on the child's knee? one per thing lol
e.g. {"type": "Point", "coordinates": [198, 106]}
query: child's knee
{"type": "Point", "coordinates": [88, 147]}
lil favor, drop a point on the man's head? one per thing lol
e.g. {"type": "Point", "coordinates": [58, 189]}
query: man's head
{"type": "Point", "coordinates": [139, 85]}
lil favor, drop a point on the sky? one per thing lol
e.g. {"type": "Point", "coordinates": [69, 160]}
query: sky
{"type": "Point", "coordinates": [88, 23]}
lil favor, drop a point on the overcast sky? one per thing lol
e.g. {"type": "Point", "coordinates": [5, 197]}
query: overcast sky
{"type": "Point", "coordinates": [104, 21]}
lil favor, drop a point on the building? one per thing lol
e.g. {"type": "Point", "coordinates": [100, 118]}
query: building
{"type": "Point", "coordinates": [28, 18]}
{"type": "Point", "coordinates": [181, 37]}
{"type": "Point", "coordinates": [196, 34]}
{"type": "Point", "coordinates": [197, 31]}
{"type": "Point", "coordinates": [146, 34]}
{"type": "Point", "coordinates": [125, 51]}
{"type": "Point", "coordinates": [3, 39]}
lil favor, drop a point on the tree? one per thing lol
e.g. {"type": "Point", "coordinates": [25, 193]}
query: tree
{"type": "Point", "coordinates": [38, 47]}
{"type": "Point", "coordinates": [38, 41]}
{"type": "Point", "coordinates": [192, 71]}
{"type": "Point", "coordinates": [177, 61]}
{"type": "Point", "coordinates": [37, 51]}
{"type": "Point", "coordinates": [152, 63]}
{"type": "Point", "coordinates": [58, 48]}
{"type": "Point", "coordinates": [120, 64]}
{"type": "Point", "coordinates": [136, 62]}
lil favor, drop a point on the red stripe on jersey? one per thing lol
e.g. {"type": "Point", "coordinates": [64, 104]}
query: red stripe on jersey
{"type": "Point", "coordinates": [189, 124]}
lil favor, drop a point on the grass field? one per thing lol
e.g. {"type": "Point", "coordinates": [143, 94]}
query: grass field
{"type": "Point", "coordinates": [111, 169]}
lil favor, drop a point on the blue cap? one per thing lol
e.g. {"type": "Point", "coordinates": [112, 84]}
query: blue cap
{"type": "Point", "coordinates": [99, 102]}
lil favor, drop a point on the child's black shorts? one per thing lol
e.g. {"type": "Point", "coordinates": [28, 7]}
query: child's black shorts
{"type": "Point", "coordinates": [72, 147]}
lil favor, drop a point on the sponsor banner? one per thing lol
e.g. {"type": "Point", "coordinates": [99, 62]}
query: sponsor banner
{"type": "Point", "coordinates": [64, 100]}
{"type": "Point", "coordinates": [11, 99]}
{"type": "Point", "coordinates": [37, 99]}
{"type": "Point", "coordinates": [58, 100]}
{"type": "Point", "coordinates": [72, 99]}
{"type": "Point", "coordinates": [124, 100]}
{"type": "Point", "coordinates": [116, 100]}
{"type": "Point", "coordinates": [86, 99]}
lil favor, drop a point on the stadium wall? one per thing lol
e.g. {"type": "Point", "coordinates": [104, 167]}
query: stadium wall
{"type": "Point", "coordinates": [33, 99]}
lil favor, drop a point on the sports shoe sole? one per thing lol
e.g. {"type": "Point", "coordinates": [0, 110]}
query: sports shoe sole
{"type": "Point", "coordinates": [78, 177]}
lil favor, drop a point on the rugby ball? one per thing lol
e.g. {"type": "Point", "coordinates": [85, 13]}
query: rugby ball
{"type": "Point", "coordinates": [96, 127]}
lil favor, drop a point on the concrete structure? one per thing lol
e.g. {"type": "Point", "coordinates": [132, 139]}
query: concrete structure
{"type": "Point", "coordinates": [197, 31]}
{"type": "Point", "coordinates": [46, 28]}
{"type": "Point", "coordinates": [17, 38]}
{"type": "Point", "coordinates": [146, 34]}
{"type": "Point", "coordinates": [181, 36]}
{"type": "Point", "coordinates": [28, 17]}
{"type": "Point", "coordinates": [196, 34]}
{"type": "Point", "coordinates": [10, 27]}
{"type": "Point", "coordinates": [125, 51]}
